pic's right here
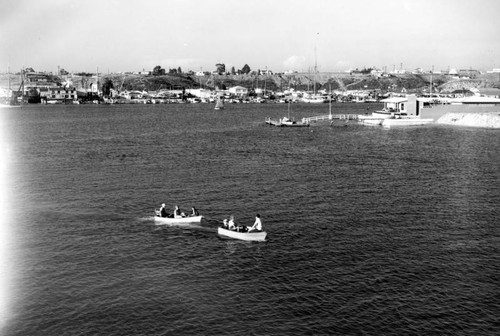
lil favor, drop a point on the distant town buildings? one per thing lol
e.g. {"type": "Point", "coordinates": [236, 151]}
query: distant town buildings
{"type": "Point", "coordinates": [200, 86]}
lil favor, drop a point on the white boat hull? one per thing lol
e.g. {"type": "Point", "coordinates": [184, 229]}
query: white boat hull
{"type": "Point", "coordinates": [314, 100]}
{"type": "Point", "coordinates": [180, 220]}
{"type": "Point", "coordinates": [370, 122]}
{"type": "Point", "coordinates": [385, 115]}
{"type": "Point", "coordinates": [281, 123]}
{"type": "Point", "coordinates": [392, 122]}
{"type": "Point", "coordinates": [406, 122]}
{"type": "Point", "coordinates": [248, 236]}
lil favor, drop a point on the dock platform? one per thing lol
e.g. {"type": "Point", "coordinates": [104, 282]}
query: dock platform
{"type": "Point", "coordinates": [331, 117]}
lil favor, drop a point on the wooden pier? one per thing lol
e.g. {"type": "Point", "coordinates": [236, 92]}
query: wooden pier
{"type": "Point", "coordinates": [331, 117]}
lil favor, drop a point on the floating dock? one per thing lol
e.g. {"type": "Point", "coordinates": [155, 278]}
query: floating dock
{"type": "Point", "coordinates": [331, 117]}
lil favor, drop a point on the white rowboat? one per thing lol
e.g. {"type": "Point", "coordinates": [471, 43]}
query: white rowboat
{"type": "Point", "coordinates": [248, 236]}
{"type": "Point", "coordinates": [168, 220]}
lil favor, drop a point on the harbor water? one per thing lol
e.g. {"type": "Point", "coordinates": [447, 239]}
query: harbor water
{"type": "Point", "coordinates": [371, 231]}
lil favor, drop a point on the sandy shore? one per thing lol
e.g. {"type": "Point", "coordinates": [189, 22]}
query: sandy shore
{"type": "Point", "coordinates": [484, 120]}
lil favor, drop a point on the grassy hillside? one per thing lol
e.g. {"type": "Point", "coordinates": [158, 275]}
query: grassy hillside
{"type": "Point", "coordinates": [298, 81]}
{"type": "Point", "coordinates": [276, 82]}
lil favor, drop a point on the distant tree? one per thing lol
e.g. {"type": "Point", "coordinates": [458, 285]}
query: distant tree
{"type": "Point", "coordinates": [221, 68]}
{"type": "Point", "coordinates": [245, 69]}
{"type": "Point", "coordinates": [84, 74]}
{"type": "Point", "coordinates": [158, 71]}
{"type": "Point", "coordinates": [179, 70]}
{"type": "Point", "coordinates": [27, 70]}
{"type": "Point", "coordinates": [63, 72]}
{"type": "Point", "coordinates": [172, 71]}
{"type": "Point", "coordinates": [233, 71]}
{"type": "Point", "coordinates": [107, 86]}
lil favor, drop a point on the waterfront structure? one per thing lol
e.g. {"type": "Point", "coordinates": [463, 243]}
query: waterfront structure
{"type": "Point", "coordinates": [58, 94]}
{"type": "Point", "coordinates": [238, 91]}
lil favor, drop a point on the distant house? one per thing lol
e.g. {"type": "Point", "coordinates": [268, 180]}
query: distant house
{"type": "Point", "coordinates": [469, 73]}
{"type": "Point", "coordinates": [238, 90]}
{"type": "Point", "coordinates": [266, 72]}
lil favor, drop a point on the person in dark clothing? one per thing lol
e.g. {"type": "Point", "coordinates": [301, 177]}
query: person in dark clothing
{"type": "Point", "coordinates": [177, 212]}
{"type": "Point", "coordinates": [194, 212]}
{"type": "Point", "coordinates": [163, 211]}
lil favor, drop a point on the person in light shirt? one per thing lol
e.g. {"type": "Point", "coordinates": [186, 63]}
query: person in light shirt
{"type": "Point", "coordinates": [230, 224]}
{"type": "Point", "coordinates": [257, 226]}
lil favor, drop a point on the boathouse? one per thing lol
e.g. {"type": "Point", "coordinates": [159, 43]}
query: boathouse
{"type": "Point", "coordinates": [58, 94]}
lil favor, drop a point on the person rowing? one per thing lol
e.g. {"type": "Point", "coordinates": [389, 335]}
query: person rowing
{"type": "Point", "coordinates": [194, 212]}
{"type": "Point", "coordinates": [257, 226]}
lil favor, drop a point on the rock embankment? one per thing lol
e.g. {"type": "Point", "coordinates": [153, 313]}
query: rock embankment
{"type": "Point", "coordinates": [484, 120]}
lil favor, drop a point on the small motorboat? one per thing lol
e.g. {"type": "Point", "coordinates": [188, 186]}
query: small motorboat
{"type": "Point", "coordinates": [248, 236]}
{"type": "Point", "coordinates": [285, 122]}
{"type": "Point", "coordinates": [176, 220]}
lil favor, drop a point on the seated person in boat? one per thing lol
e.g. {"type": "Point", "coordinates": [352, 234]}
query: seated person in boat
{"type": "Point", "coordinates": [230, 224]}
{"type": "Point", "coordinates": [225, 224]}
{"type": "Point", "coordinates": [163, 211]}
{"type": "Point", "coordinates": [178, 213]}
{"type": "Point", "coordinates": [194, 212]}
{"type": "Point", "coordinates": [257, 226]}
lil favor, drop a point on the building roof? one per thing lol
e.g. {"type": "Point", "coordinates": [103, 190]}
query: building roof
{"type": "Point", "coordinates": [394, 100]}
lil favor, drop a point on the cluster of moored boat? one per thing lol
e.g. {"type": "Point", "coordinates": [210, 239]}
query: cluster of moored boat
{"type": "Point", "coordinates": [397, 111]}
{"type": "Point", "coordinates": [223, 232]}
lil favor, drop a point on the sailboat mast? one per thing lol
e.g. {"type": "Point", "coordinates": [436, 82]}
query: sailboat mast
{"type": "Point", "coordinates": [330, 88]}
{"type": "Point", "coordinates": [430, 88]}
{"type": "Point", "coordinates": [315, 69]}
{"type": "Point", "coordinates": [265, 83]}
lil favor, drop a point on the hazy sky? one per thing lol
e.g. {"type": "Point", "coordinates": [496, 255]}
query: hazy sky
{"type": "Point", "coordinates": [281, 35]}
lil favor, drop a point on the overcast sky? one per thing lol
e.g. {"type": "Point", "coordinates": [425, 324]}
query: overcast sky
{"type": "Point", "coordinates": [278, 35]}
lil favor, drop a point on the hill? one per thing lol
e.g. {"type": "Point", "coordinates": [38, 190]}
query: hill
{"type": "Point", "coordinates": [302, 81]}
{"type": "Point", "coordinates": [279, 82]}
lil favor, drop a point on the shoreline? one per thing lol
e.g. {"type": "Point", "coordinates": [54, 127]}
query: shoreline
{"type": "Point", "coordinates": [482, 120]}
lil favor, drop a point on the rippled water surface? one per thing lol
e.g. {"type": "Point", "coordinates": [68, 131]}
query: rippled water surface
{"type": "Point", "coordinates": [370, 231]}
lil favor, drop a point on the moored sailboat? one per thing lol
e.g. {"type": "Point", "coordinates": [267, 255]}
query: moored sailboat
{"type": "Point", "coordinates": [286, 121]}
{"type": "Point", "coordinates": [219, 105]}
